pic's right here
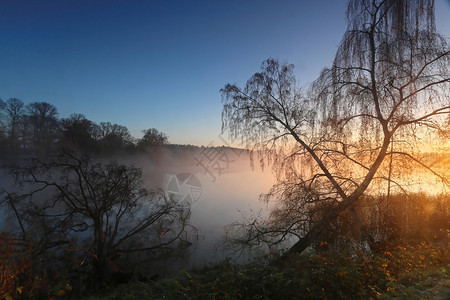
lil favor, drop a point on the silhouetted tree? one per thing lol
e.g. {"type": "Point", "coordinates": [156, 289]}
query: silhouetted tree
{"type": "Point", "coordinates": [2, 121]}
{"type": "Point", "coordinates": [25, 131]}
{"type": "Point", "coordinates": [113, 137]}
{"type": "Point", "coordinates": [42, 117]}
{"type": "Point", "coordinates": [152, 137]}
{"type": "Point", "coordinates": [390, 79]}
{"type": "Point", "coordinates": [97, 209]}
{"type": "Point", "coordinates": [78, 132]}
{"type": "Point", "coordinates": [14, 113]}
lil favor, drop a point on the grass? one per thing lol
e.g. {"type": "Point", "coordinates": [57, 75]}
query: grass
{"type": "Point", "coordinates": [409, 271]}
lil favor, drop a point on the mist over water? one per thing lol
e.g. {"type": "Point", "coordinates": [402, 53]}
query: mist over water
{"type": "Point", "coordinates": [228, 193]}
{"type": "Point", "coordinates": [226, 196]}
{"type": "Point", "coordinates": [229, 199]}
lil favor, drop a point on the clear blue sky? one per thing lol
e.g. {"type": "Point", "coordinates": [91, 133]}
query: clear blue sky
{"type": "Point", "coordinates": [160, 63]}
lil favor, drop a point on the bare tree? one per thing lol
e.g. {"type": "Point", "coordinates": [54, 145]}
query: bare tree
{"type": "Point", "coordinates": [97, 209]}
{"type": "Point", "coordinates": [113, 137]}
{"type": "Point", "coordinates": [44, 123]}
{"type": "Point", "coordinates": [152, 137]}
{"type": "Point", "coordinates": [390, 80]}
{"type": "Point", "coordinates": [25, 129]}
{"type": "Point", "coordinates": [2, 123]}
{"type": "Point", "coordinates": [78, 132]}
{"type": "Point", "coordinates": [14, 112]}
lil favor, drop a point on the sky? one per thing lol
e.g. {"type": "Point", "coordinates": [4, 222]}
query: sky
{"type": "Point", "coordinates": [161, 63]}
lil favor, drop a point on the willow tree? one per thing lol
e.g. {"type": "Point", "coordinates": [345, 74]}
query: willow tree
{"type": "Point", "coordinates": [330, 143]}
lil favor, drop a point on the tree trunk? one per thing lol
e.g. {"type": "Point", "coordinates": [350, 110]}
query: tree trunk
{"type": "Point", "coordinates": [303, 243]}
{"type": "Point", "coordinates": [100, 266]}
{"type": "Point", "coordinates": [312, 235]}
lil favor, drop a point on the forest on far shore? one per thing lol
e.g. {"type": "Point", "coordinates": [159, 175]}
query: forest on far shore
{"type": "Point", "coordinates": [36, 128]}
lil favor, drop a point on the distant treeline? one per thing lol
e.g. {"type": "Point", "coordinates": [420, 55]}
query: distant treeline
{"type": "Point", "coordinates": [36, 129]}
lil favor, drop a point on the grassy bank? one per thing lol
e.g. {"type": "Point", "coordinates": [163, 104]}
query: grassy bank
{"type": "Point", "coordinates": [410, 270]}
